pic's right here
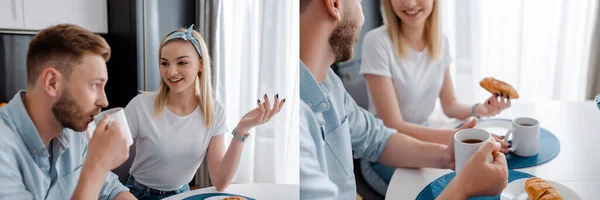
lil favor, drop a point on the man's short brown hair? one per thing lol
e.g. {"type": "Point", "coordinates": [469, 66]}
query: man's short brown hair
{"type": "Point", "coordinates": [60, 46]}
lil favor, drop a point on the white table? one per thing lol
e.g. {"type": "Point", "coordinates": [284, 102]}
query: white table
{"type": "Point", "coordinates": [253, 190]}
{"type": "Point", "coordinates": [577, 166]}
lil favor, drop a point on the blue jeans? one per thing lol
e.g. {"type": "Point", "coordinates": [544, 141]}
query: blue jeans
{"type": "Point", "coordinates": [140, 191]}
{"type": "Point", "coordinates": [378, 175]}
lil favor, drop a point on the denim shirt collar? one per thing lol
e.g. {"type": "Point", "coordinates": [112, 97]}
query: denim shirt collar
{"type": "Point", "coordinates": [28, 131]}
{"type": "Point", "coordinates": [311, 92]}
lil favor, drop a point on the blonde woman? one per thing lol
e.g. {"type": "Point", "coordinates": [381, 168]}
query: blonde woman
{"type": "Point", "coordinates": [180, 124]}
{"type": "Point", "coordinates": [405, 64]}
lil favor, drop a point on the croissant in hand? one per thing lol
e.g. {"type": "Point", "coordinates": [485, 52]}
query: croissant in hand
{"type": "Point", "coordinates": [496, 86]}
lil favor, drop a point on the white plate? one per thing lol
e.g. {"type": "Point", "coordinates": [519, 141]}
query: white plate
{"type": "Point", "coordinates": [495, 126]}
{"type": "Point", "coordinates": [516, 191]}
{"type": "Point", "coordinates": [217, 197]}
{"type": "Point", "coordinates": [220, 197]}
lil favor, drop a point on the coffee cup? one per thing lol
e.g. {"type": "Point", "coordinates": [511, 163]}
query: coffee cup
{"type": "Point", "coordinates": [525, 136]}
{"type": "Point", "coordinates": [116, 114]}
{"type": "Point", "coordinates": [466, 143]}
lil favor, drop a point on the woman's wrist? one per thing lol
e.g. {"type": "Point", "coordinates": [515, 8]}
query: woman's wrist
{"type": "Point", "coordinates": [474, 110]}
{"type": "Point", "coordinates": [242, 130]}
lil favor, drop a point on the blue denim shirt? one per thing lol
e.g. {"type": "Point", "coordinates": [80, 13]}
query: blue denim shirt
{"type": "Point", "coordinates": [26, 171]}
{"type": "Point", "coordinates": [332, 127]}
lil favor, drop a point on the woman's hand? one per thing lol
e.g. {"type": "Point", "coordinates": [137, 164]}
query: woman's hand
{"type": "Point", "coordinates": [493, 105]}
{"type": "Point", "coordinates": [261, 114]}
{"type": "Point", "coordinates": [504, 146]}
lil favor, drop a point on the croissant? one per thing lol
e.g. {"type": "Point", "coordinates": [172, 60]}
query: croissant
{"type": "Point", "coordinates": [496, 86]}
{"type": "Point", "coordinates": [539, 189]}
{"type": "Point", "coordinates": [234, 198]}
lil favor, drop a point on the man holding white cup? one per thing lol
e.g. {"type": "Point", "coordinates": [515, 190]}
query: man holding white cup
{"type": "Point", "coordinates": [479, 176]}
{"type": "Point", "coordinates": [115, 115]}
{"type": "Point", "coordinates": [481, 169]}
{"type": "Point", "coordinates": [45, 154]}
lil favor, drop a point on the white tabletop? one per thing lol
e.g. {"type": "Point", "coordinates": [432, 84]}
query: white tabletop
{"type": "Point", "coordinates": [253, 190]}
{"type": "Point", "coordinates": [577, 166]}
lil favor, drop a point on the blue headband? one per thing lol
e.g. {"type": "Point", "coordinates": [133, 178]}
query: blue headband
{"type": "Point", "coordinates": [187, 36]}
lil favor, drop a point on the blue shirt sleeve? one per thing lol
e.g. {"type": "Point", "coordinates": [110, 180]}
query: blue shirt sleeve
{"type": "Point", "coordinates": [112, 187]}
{"type": "Point", "coordinates": [368, 134]}
{"type": "Point", "coordinates": [314, 180]}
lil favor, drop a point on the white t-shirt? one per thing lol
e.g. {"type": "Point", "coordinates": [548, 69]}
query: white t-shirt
{"type": "Point", "coordinates": [417, 80]}
{"type": "Point", "coordinates": [169, 147]}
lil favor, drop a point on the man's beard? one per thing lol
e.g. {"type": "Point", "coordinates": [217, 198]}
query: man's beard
{"type": "Point", "coordinates": [69, 114]}
{"type": "Point", "coordinates": [342, 40]}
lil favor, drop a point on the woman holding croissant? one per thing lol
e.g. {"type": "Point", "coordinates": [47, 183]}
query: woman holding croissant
{"type": "Point", "coordinates": [405, 64]}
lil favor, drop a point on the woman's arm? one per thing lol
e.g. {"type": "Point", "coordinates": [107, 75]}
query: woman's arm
{"type": "Point", "coordinates": [384, 97]}
{"type": "Point", "coordinates": [222, 164]}
{"type": "Point", "coordinates": [452, 108]}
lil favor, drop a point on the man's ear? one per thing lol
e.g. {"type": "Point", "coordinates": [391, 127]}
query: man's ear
{"type": "Point", "coordinates": [333, 8]}
{"type": "Point", "coordinates": [50, 81]}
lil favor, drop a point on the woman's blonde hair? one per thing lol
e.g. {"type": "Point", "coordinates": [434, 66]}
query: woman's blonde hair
{"type": "Point", "coordinates": [203, 81]}
{"type": "Point", "coordinates": [432, 33]}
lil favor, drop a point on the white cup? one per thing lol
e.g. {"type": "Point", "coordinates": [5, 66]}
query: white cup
{"type": "Point", "coordinates": [116, 114]}
{"type": "Point", "coordinates": [525, 136]}
{"type": "Point", "coordinates": [464, 150]}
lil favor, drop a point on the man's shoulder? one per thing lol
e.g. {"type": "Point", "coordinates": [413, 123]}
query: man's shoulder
{"type": "Point", "coordinates": [10, 139]}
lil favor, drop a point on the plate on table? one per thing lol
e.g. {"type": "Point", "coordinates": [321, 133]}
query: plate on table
{"type": "Point", "coordinates": [217, 197]}
{"type": "Point", "coordinates": [214, 196]}
{"type": "Point", "coordinates": [516, 191]}
{"type": "Point", "coordinates": [495, 126]}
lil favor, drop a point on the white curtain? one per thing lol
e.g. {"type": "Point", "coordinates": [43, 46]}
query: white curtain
{"type": "Point", "coordinates": [541, 47]}
{"type": "Point", "coordinates": [258, 54]}
{"type": "Point", "coordinates": [594, 68]}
